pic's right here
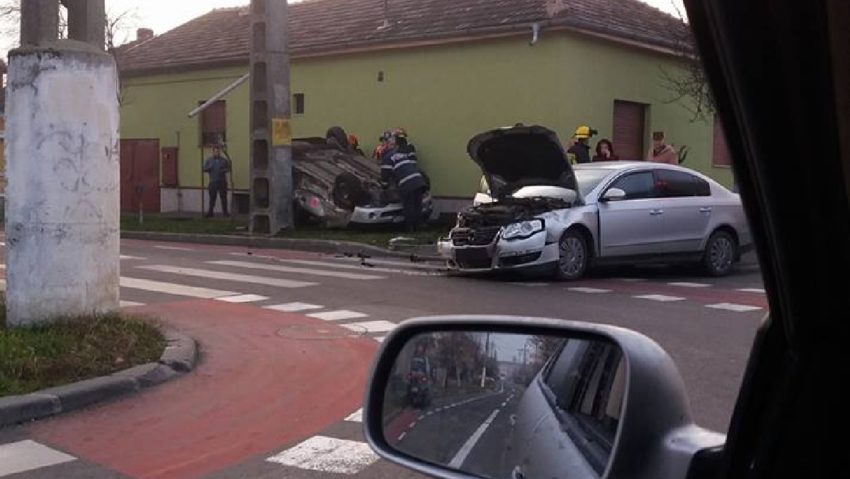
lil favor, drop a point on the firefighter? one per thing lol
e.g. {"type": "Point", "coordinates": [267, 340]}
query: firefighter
{"type": "Point", "coordinates": [399, 165]}
{"type": "Point", "coordinates": [581, 147]}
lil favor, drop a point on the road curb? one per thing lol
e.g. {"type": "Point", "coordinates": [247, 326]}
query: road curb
{"type": "Point", "coordinates": [179, 357]}
{"type": "Point", "coordinates": [313, 245]}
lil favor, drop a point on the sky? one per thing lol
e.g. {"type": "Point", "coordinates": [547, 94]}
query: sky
{"type": "Point", "coordinates": [163, 15]}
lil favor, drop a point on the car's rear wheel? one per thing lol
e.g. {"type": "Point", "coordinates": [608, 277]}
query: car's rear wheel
{"type": "Point", "coordinates": [720, 253]}
{"type": "Point", "coordinates": [573, 256]}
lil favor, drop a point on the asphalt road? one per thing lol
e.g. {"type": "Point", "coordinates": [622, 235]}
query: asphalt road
{"type": "Point", "coordinates": [706, 324]}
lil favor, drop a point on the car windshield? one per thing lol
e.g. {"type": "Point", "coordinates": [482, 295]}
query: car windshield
{"type": "Point", "coordinates": [589, 178]}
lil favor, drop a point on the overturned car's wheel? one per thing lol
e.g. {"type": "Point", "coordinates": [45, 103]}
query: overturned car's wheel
{"type": "Point", "coordinates": [720, 253]}
{"type": "Point", "coordinates": [573, 256]}
{"type": "Point", "coordinates": [348, 190]}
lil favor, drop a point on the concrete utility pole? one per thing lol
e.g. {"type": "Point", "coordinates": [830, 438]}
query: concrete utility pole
{"type": "Point", "coordinates": [62, 139]}
{"type": "Point", "coordinates": [271, 134]}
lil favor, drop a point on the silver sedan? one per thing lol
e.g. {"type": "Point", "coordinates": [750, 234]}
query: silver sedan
{"type": "Point", "coordinates": [547, 215]}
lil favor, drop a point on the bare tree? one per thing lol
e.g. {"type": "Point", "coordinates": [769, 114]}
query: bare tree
{"type": "Point", "coordinates": [689, 86]}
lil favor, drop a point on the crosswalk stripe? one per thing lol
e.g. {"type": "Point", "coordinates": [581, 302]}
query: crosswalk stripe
{"type": "Point", "coordinates": [371, 326]}
{"type": "Point", "coordinates": [288, 269]}
{"type": "Point", "coordinates": [293, 307]}
{"type": "Point", "coordinates": [338, 315]}
{"type": "Point", "coordinates": [243, 298]}
{"type": "Point", "coordinates": [327, 454]}
{"type": "Point", "coordinates": [25, 456]}
{"type": "Point", "coordinates": [660, 297]}
{"type": "Point", "coordinates": [242, 278]}
{"type": "Point", "coordinates": [173, 288]}
{"type": "Point", "coordinates": [173, 248]}
{"type": "Point", "coordinates": [753, 290]}
{"type": "Point", "coordinates": [400, 264]}
{"type": "Point", "coordinates": [130, 304]}
{"type": "Point", "coordinates": [376, 269]}
{"type": "Point", "coordinates": [356, 416]}
{"type": "Point", "coordinates": [590, 290]}
{"type": "Point", "coordinates": [690, 285]}
{"type": "Point", "coordinates": [738, 308]}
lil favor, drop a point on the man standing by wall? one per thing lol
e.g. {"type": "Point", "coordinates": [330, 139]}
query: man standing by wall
{"type": "Point", "coordinates": [217, 167]}
{"type": "Point", "coordinates": [661, 152]}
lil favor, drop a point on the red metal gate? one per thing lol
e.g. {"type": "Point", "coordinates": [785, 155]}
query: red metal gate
{"type": "Point", "coordinates": [140, 175]}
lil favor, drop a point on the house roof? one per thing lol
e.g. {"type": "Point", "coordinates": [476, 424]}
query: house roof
{"type": "Point", "coordinates": [330, 26]}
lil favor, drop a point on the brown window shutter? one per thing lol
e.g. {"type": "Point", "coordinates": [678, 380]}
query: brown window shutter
{"type": "Point", "coordinates": [629, 121]}
{"type": "Point", "coordinates": [721, 155]}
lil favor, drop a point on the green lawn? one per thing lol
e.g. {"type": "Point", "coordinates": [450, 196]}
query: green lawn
{"type": "Point", "coordinates": [36, 358]}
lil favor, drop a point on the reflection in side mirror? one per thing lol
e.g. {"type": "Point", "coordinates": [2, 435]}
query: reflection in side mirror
{"type": "Point", "coordinates": [614, 194]}
{"type": "Point", "coordinates": [502, 405]}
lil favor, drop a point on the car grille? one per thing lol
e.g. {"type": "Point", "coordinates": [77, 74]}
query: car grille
{"type": "Point", "coordinates": [521, 259]}
{"type": "Point", "coordinates": [478, 237]}
{"type": "Point", "coordinates": [473, 258]}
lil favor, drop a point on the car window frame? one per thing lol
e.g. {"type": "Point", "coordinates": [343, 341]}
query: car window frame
{"type": "Point", "coordinates": [612, 184]}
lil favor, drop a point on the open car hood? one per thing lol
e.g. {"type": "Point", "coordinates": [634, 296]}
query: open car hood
{"type": "Point", "coordinates": [518, 156]}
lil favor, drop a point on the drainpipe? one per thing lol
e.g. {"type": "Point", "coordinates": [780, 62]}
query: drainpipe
{"type": "Point", "coordinates": [535, 34]}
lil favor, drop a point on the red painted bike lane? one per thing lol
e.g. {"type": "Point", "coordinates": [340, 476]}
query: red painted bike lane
{"type": "Point", "coordinates": [254, 392]}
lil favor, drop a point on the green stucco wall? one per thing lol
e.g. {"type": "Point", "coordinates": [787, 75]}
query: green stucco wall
{"type": "Point", "coordinates": [442, 95]}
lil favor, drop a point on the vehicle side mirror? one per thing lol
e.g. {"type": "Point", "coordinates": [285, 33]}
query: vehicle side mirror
{"type": "Point", "coordinates": [614, 194]}
{"type": "Point", "coordinates": [502, 397]}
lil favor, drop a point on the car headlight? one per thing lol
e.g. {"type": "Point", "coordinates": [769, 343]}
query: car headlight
{"type": "Point", "coordinates": [522, 230]}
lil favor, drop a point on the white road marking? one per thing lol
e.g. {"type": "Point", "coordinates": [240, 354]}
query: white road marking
{"type": "Point", "coordinates": [243, 298]}
{"type": "Point", "coordinates": [128, 257]}
{"type": "Point", "coordinates": [380, 339]}
{"type": "Point", "coordinates": [356, 416]}
{"type": "Point", "coordinates": [24, 456]}
{"type": "Point", "coordinates": [242, 278]}
{"type": "Point", "coordinates": [738, 308]}
{"type": "Point", "coordinates": [401, 264]}
{"type": "Point", "coordinates": [288, 269]}
{"type": "Point", "coordinates": [372, 326]}
{"type": "Point", "coordinates": [338, 315]}
{"type": "Point", "coordinates": [173, 288]}
{"type": "Point", "coordinates": [130, 304]}
{"type": "Point", "coordinates": [357, 267]}
{"type": "Point", "coordinates": [590, 290]}
{"type": "Point", "coordinates": [753, 290]}
{"type": "Point", "coordinates": [2, 266]}
{"type": "Point", "coordinates": [660, 297]}
{"type": "Point", "coordinates": [2, 285]}
{"type": "Point", "coordinates": [173, 248]}
{"type": "Point", "coordinates": [293, 307]}
{"type": "Point", "coordinates": [464, 451]}
{"type": "Point", "coordinates": [2, 243]}
{"type": "Point", "coordinates": [402, 435]}
{"type": "Point", "coordinates": [327, 454]}
{"type": "Point", "coordinates": [690, 285]}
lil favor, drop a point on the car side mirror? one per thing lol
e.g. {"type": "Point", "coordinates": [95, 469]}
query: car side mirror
{"type": "Point", "coordinates": [512, 398]}
{"type": "Point", "coordinates": [614, 194]}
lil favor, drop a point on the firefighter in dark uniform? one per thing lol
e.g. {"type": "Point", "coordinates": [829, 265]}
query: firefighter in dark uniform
{"type": "Point", "coordinates": [399, 165]}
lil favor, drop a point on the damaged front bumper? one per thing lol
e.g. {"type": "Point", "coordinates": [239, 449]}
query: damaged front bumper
{"type": "Point", "coordinates": [463, 254]}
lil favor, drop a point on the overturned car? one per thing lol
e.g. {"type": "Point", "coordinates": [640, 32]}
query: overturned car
{"type": "Point", "coordinates": [337, 186]}
{"type": "Point", "coordinates": [542, 214]}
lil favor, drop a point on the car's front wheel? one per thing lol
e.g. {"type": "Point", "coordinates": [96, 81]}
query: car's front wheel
{"type": "Point", "coordinates": [720, 253]}
{"type": "Point", "coordinates": [573, 256]}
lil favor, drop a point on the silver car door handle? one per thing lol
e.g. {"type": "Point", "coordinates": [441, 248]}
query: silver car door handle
{"type": "Point", "coordinates": [656, 212]}
{"type": "Point", "coordinates": [707, 209]}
